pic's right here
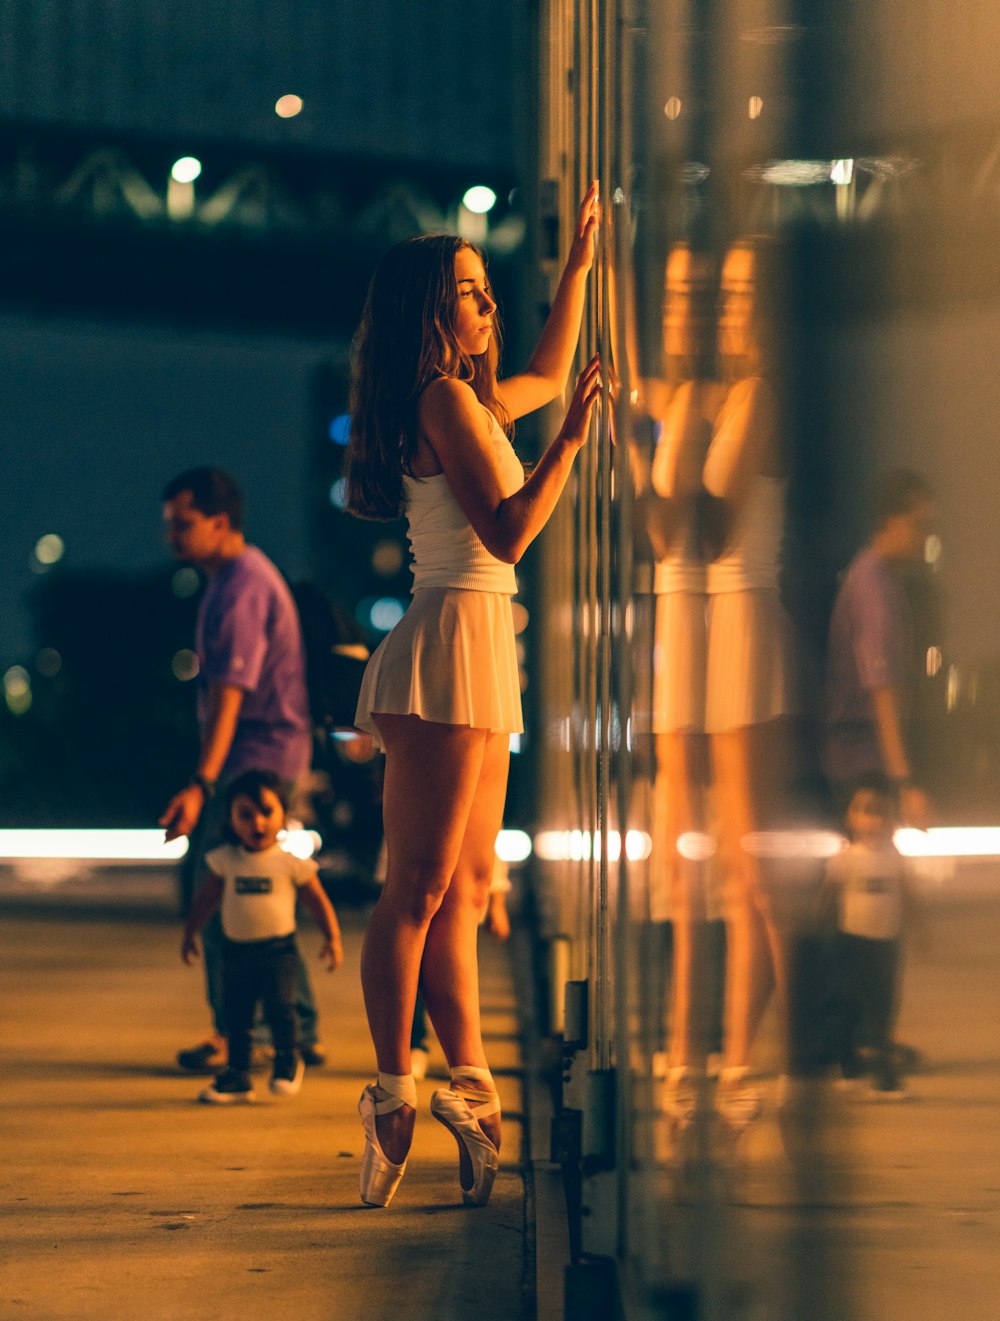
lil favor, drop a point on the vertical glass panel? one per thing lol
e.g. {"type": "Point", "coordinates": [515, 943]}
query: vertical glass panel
{"type": "Point", "coordinates": [786, 656]}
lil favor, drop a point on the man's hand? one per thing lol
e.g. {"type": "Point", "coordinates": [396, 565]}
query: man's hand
{"type": "Point", "coordinates": [189, 947]}
{"type": "Point", "coordinates": [497, 921]}
{"type": "Point", "coordinates": [332, 951]}
{"type": "Point", "coordinates": [183, 812]}
{"type": "Point", "coordinates": [915, 808]}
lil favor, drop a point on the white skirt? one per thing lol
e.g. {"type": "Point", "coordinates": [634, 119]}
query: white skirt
{"type": "Point", "coordinates": [679, 663]}
{"type": "Point", "coordinates": [450, 659]}
{"type": "Point", "coordinates": [749, 660]}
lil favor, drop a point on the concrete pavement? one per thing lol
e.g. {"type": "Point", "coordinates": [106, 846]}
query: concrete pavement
{"type": "Point", "coordinates": [123, 1198]}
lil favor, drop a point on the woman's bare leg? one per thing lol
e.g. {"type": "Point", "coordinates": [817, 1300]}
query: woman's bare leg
{"type": "Point", "coordinates": [678, 807]}
{"type": "Point", "coordinates": [450, 976]}
{"type": "Point", "coordinates": [431, 776]}
{"type": "Point", "coordinates": [755, 959]}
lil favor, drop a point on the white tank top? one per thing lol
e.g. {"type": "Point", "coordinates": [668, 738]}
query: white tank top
{"type": "Point", "coordinates": [446, 549]}
{"type": "Point", "coordinates": [753, 561]}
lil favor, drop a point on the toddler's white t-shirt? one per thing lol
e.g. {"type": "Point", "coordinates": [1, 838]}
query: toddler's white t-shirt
{"type": "Point", "coordinates": [871, 882]}
{"type": "Point", "coordinates": [259, 889]}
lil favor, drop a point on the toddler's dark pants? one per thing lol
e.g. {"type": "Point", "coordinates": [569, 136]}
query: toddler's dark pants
{"type": "Point", "coordinates": [867, 975]}
{"type": "Point", "coordinates": [261, 972]}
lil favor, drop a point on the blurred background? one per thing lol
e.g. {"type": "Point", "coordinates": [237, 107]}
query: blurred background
{"type": "Point", "coordinates": [191, 203]}
{"type": "Point", "coordinates": [192, 199]}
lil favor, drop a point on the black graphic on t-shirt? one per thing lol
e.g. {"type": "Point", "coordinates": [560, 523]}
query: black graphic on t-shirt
{"type": "Point", "coordinates": [253, 885]}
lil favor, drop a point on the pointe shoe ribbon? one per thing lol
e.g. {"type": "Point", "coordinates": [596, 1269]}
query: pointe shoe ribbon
{"type": "Point", "coordinates": [380, 1177]}
{"type": "Point", "coordinates": [460, 1113]}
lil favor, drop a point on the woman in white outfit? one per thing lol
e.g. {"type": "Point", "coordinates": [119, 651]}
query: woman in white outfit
{"type": "Point", "coordinates": [441, 693]}
{"type": "Point", "coordinates": [668, 501]}
{"type": "Point", "coordinates": [748, 688]}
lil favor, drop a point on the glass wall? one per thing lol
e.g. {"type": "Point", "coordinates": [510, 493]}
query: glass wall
{"type": "Point", "coordinates": [769, 709]}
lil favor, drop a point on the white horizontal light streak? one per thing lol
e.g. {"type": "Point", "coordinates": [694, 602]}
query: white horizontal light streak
{"type": "Point", "coordinates": [513, 846]}
{"type": "Point", "coordinates": [938, 842]}
{"type": "Point", "coordinates": [695, 846]}
{"type": "Point", "coordinates": [949, 842]}
{"type": "Point", "coordinates": [793, 843]}
{"type": "Point", "coordinates": [119, 845]}
{"type": "Point", "coordinates": [90, 845]}
{"type": "Point", "coordinates": [581, 845]}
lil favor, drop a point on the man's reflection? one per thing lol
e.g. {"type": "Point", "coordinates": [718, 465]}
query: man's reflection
{"type": "Point", "coordinates": [872, 676]}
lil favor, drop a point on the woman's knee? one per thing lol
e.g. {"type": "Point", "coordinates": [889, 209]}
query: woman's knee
{"type": "Point", "coordinates": [418, 893]}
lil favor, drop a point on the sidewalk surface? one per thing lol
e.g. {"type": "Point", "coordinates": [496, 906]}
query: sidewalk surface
{"type": "Point", "coordinates": [122, 1197]}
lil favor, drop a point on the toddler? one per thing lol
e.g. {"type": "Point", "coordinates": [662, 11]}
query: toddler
{"type": "Point", "coordinates": [867, 883]}
{"type": "Point", "coordinates": [257, 883]}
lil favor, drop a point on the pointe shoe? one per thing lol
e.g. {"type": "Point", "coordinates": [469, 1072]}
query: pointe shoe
{"type": "Point", "coordinates": [737, 1101]}
{"type": "Point", "coordinates": [681, 1091]}
{"type": "Point", "coordinates": [460, 1113]}
{"type": "Point", "coordinates": [380, 1177]}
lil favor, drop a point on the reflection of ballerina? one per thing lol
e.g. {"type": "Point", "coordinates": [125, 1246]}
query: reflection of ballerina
{"type": "Point", "coordinates": [668, 500]}
{"type": "Point", "coordinates": [747, 685]}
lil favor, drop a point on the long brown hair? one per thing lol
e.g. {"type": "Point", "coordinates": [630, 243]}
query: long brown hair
{"type": "Point", "coordinates": [406, 339]}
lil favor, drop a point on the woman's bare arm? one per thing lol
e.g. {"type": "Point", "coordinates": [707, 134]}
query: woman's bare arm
{"type": "Point", "coordinates": [546, 374]}
{"type": "Point", "coordinates": [458, 430]}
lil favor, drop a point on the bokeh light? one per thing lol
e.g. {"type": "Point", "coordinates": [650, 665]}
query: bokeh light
{"type": "Point", "coordinates": [385, 613]}
{"type": "Point", "coordinates": [48, 662]}
{"type": "Point", "coordinates": [340, 429]}
{"type": "Point", "coordinates": [479, 199]}
{"type": "Point", "coordinates": [288, 106]}
{"type": "Point", "coordinates": [186, 169]}
{"type": "Point", "coordinates": [387, 558]}
{"type": "Point", "coordinates": [185, 665]}
{"type": "Point", "coordinates": [17, 690]}
{"type": "Point", "coordinates": [185, 582]}
{"type": "Point", "coordinates": [49, 549]}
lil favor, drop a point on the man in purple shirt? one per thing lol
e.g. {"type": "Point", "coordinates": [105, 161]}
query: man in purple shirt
{"type": "Point", "coordinates": [871, 659]}
{"type": "Point", "coordinates": [253, 707]}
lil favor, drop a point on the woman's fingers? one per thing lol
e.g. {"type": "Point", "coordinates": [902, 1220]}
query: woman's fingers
{"type": "Point", "coordinates": [590, 209]}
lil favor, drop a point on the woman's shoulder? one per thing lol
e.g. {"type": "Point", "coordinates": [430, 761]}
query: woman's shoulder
{"type": "Point", "coordinates": [450, 413]}
{"type": "Point", "coordinates": [447, 395]}
{"type": "Point", "coordinates": [747, 391]}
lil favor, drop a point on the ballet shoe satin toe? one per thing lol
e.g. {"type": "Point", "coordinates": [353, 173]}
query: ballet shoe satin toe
{"type": "Point", "coordinates": [380, 1177]}
{"type": "Point", "coordinates": [460, 1113]}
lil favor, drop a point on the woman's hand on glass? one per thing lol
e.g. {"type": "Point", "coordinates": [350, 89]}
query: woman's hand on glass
{"type": "Point", "coordinates": [581, 253]}
{"type": "Point", "coordinates": [576, 425]}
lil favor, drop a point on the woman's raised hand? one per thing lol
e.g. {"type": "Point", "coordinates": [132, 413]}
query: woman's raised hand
{"type": "Point", "coordinates": [588, 388]}
{"type": "Point", "coordinates": [581, 253]}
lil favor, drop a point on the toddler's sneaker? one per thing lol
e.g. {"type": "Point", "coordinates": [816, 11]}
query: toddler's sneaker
{"type": "Point", "coordinates": [229, 1088]}
{"type": "Point", "coordinates": [887, 1085]}
{"type": "Point", "coordinates": [206, 1058]}
{"type": "Point", "coordinates": [287, 1076]}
